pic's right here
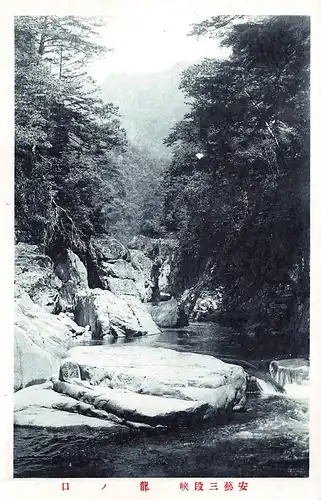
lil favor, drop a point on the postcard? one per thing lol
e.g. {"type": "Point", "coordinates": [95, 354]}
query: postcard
{"type": "Point", "coordinates": [160, 213]}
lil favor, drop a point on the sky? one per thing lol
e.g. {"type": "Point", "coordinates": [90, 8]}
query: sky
{"type": "Point", "coordinates": [153, 37]}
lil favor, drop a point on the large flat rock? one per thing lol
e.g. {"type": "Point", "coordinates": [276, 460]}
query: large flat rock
{"type": "Point", "coordinates": [163, 372]}
{"type": "Point", "coordinates": [40, 406]}
{"type": "Point", "coordinates": [131, 407]}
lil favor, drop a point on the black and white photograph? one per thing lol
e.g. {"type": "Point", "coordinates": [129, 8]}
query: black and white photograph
{"type": "Point", "coordinates": [162, 246]}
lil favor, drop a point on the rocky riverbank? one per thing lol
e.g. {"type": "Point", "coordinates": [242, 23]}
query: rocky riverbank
{"type": "Point", "coordinates": [59, 384]}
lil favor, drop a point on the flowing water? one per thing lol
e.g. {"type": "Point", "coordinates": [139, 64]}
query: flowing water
{"type": "Point", "coordinates": [268, 438]}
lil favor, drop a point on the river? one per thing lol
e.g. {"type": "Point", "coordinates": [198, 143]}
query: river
{"type": "Point", "coordinates": [268, 438]}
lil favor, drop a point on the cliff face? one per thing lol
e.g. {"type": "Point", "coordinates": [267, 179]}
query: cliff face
{"type": "Point", "coordinates": [49, 296]}
{"type": "Point", "coordinates": [121, 387]}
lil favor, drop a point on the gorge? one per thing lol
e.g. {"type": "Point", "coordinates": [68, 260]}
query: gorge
{"type": "Point", "coordinates": [162, 286]}
{"type": "Point", "coordinates": [114, 371]}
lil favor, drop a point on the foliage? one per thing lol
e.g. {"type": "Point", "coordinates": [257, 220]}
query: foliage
{"type": "Point", "coordinates": [242, 210]}
{"type": "Point", "coordinates": [142, 203]}
{"type": "Point", "coordinates": [64, 133]}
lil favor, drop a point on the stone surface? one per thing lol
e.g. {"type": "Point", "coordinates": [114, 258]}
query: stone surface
{"type": "Point", "coordinates": [70, 268]}
{"type": "Point", "coordinates": [153, 247]}
{"type": "Point", "coordinates": [106, 313]}
{"type": "Point", "coordinates": [105, 248]}
{"type": "Point", "coordinates": [207, 306]}
{"type": "Point", "coordinates": [67, 296]}
{"type": "Point", "coordinates": [143, 409]}
{"type": "Point", "coordinates": [163, 372]}
{"type": "Point", "coordinates": [163, 280]}
{"type": "Point", "coordinates": [40, 406]}
{"type": "Point", "coordinates": [69, 372]}
{"type": "Point", "coordinates": [119, 269]}
{"type": "Point", "coordinates": [112, 270]}
{"type": "Point", "coordinates": [41, 340]}
{"type": "Point", "coordinates": [142, 314]}
{"type": "Point", "coordinates": [73, 275]}
{"type": "Point", "coordinates": [187, 301]}
{"type": "Point", "coordinates": [164, 296]}
{"type": "Point", "coordinates": [121, 286]}
{"type": "Point", "coordinates": [169, 314]}
{"type": "Point", "coordinates": [70, 324]}
{"type": "Point", "coordinates": [140, 261]}
{"type": "Point", "coordinates": [143, 266]}
{"type": "Point", "coordinates": [34, 275]}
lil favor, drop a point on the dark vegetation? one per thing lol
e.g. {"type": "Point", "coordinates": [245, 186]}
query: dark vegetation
{"type": "Point", "coordinates": [240, 212]}
{"type": "Point", "coordinates": [75, 173]}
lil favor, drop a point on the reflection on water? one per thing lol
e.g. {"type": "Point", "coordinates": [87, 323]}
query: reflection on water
{"type": "Point", "coordinates": [268, 438]}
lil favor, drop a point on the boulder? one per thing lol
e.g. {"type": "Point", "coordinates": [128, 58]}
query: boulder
{"type": "Point", "coordinates": [69, 372]}
{"type": "Point", "coordinates": [143, 281]}
{"type": "Point", "coordinates": [169, 314]}
{"type": "Point", "coordinates": [91, 310]}
{"type": "Point", "coordinates": [141, 262]}
{"type": "Point", "coordinates": [111, 269]}
{"type": "Point", "coordinates": [164, 274]}
{"type": "Point", "coordinates": [41, 340]}
{"type": "Point", "coordinates": [73, 275]}
{"type": "Point", "coordinates": [67, 296]}
{"type": "Point", "coordinates": [107, 313]}
{"type": "Point", "coordinates": [142, 314]}
{"type": "Point", "coordinates": [105, 248]}
{"type": "Point", "coordinates": [34, 275]}
{"type": "Point", "coordinates": [119, 269]}
{"type": "Point", "coordinates": [70, 268]}
{"type": "Point", "coordinates": [207, 306]}
{"type": "Point", "coordinates": [121, 286]}
{"type": "Point", "coordinates": [164, 373]}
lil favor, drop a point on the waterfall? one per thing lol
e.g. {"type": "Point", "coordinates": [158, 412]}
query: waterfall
{"type": "Point", "coordinates": [262, 385]}
{"type": "Point", "coordinates": [290, 371]}
{"type": "Point", "coordinates": [266, 387]}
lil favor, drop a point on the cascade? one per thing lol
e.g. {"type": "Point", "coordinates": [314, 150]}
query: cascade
{"type": "Point", "coordinates": [266, 387]}
{"type": "Point", "coordinates": [256, 385]}
{"type": "Point", "coordinates": [290, 371]}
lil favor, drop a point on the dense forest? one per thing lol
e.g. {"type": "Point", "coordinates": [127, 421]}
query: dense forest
{"type": "Point", "coordinates": [75, 172]}
{"type": "Point", "coordinates": [241, 206]}
{"type": "Point", "coordinates": [235, 192]}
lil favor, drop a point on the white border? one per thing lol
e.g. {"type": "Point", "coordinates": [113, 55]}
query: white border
{"type": "Point", "coordinates": [129, 488]}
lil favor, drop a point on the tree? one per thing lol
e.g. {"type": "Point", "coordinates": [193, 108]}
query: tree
{"type": "Point", "coordinates": [242, 210]}
{"type": "Point", "coordinates": [143, 193]}
{"type": "Point", "coordinates": [64, 133]}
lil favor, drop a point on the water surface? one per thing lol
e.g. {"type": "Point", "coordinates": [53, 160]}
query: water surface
{"type": "Point", "coordinates": [268, 438]}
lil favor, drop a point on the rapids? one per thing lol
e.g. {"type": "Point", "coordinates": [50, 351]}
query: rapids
{"type": "Point", "coordinates": [268, 438]}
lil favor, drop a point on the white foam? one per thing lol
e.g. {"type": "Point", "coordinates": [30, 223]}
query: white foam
{"type": "Point", "coordinates": [298, 391]}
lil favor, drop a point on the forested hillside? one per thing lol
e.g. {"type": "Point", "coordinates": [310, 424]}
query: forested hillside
{"type": "Point", "coordinates": [233, 188]}
{"type": "Point", "coordinates": [241, 211]}
{"type": "Point", "coordinates": [75, 173]}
